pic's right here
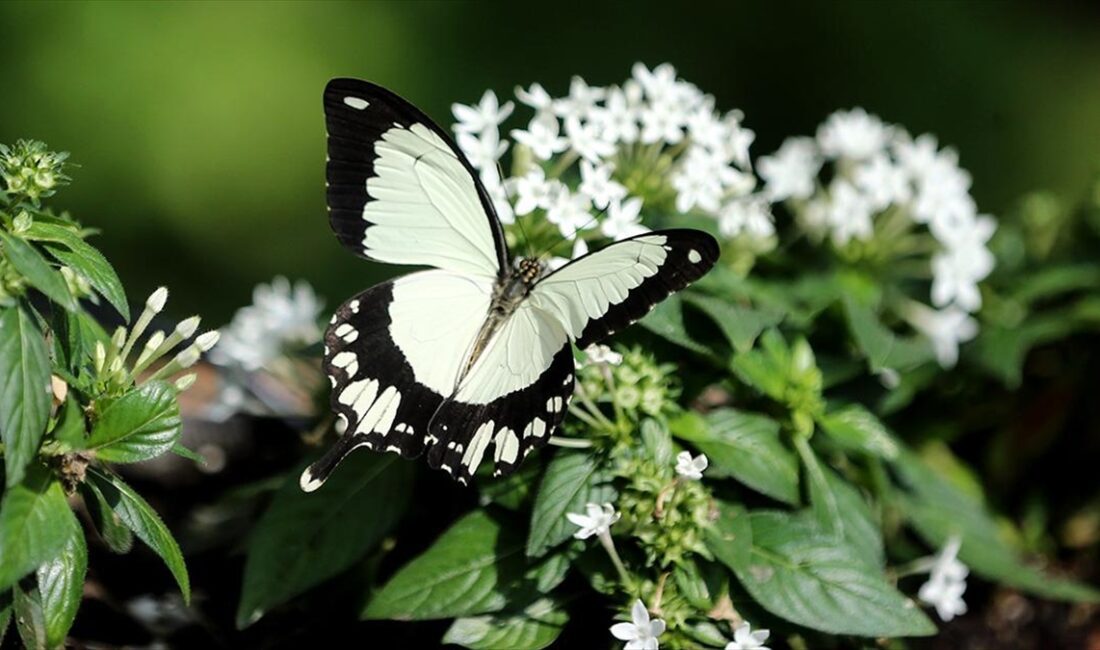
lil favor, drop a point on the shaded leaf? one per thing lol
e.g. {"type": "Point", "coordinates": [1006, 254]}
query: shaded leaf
{"type": "Point", "coordinates": [37, 271]}
{"type": "Point", "coordinates": [24, 390]}
{"type": "Point", "coordinates": [84, 259]}
{"type": "Point", "coordinates": [536, 627]}
{"type": "Point", "coordinates": [61, 586]}
{"type": "Point", "coordinates": [741, 325]}
{"type": "Point", "coordinates": [667, 321]}
{"type": "Point", "coordinates": [30, 620]}
{"type": "Point", "coordinates": [142, 424]}
{"type": "Point", "coordinates": [475, 567]}
{"type": "Point", "coordinates": [139, 516]}
{"type": "Point", "coordinates": [857, 429]}
{"type": "Point", "coordinates": [303, 539]}
{"type": "Point", "coordinates": [883, 348]}
{"type": "Point", "coordinates": [35, 522]}
{"type": "Point", "coordinates": [572, 480]}
{"type": "Point", "coordinates": [108, 524]}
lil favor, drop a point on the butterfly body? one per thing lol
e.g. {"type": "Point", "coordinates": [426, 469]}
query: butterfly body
{"type": "Point", "coordinates": [470, 360]}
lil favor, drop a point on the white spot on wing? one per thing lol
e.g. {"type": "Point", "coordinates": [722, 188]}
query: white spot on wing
{"type": "Point", "coordinates": [357, 103]}
{"type": "Point", "coordinates": [472, 458]}
{"type": "Point", "coordinates": [694, 257]}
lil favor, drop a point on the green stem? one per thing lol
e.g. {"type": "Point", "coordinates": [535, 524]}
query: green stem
{"type": "Point", "coordinates": [571, 443]}
{"type": "Point", "coordinates": [609, 546]}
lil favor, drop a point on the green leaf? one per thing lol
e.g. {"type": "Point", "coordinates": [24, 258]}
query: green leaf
{"type": "Point", "coordinates": [551, 572]}
{"type": "Point", "coordinates": [699, 582]}
{"type": "Point", "coordinates": [512, 491]}
{"type": "Point", "coordinates": [139, 516]}
{"type": "Point", "coordinates": [142, 424]}
{"type": "Point", "coordinates": [667, 321]}
{"type": "Point", "coordinates": [69, 429]}
{"type": "Point", "coordinates": [657, 441]}
{"type": "Point", "coordinates": [938, 510]}
{"type": "Point", "coordinates": [803, 576]}
{"type": "Point", "coordinates": [741, 325]}
{"type": "Point", "coordinates": [84, 259]}
{"type": "Point", "coordinates": [883, 348]}
{"type": "Point", "coordinates": [304, 539]}
{"type": "Point", "coordinates": [24, 390]}
{"type": "Point", "coordinates": [37, 271]}
{"type": "Point", "coordinates": [5, 613]}
{"type": "Point", "coordinates": [475, 567]}
{"type": "Point", "coordinates": [861, 529]}
{"type": "Point", "coordinates": [857, 429]}
{"type": "Point", "coordinates": [536, 627]}
{"type": "Point", "coordinates": [823, 502]}
{"type": "Point", "coordinates": [35, 523]}
{"type": "Point", "coordinates": [74, 336]}
{"type": "Point", "coordinates": [572, 480]}
{"type": "Point", "coordinates": [61, 585]}
{"type": "Point", "coordinates": [109, 525]}
{"type": "Point", "coordinates": [747, 447]}
{"type": "Point", "coordinates": [183, 452]}
{"type": "Point", "coordinates": [730, 538]}
{"type": "Point", "coordinates": [766, 369]}
{"type": "Point", "coordinates": [30, 620]}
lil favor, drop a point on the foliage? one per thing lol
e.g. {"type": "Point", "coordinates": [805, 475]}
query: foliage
{"type": "Point", "coordinates": [73, 400]}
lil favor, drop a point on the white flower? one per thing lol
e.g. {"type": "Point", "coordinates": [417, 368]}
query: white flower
{"type": "Point", "coordinates": [569, 212]}
{"type": "Point", "coordinates": [691, 468]}
{"type": "Point", "coordinates": [945, 329]}
{"type": "Point", "coordinates": [752, 217]}
{"type": "Point", "coordinates": [852, 134]}
{"type": "Point", "coordinates": [597, 184]}
{"type": "Point", "coordinates": [882, 182]}
{"type": "Point", "coordinates": [946, 583]}
{"type": "Point", "coordinates": [483, 149]}
{"type": "Point", "coordinates": [702, 180]}
{"type": "Point", "coordinates": [542, 136]}
{"type": "Point", "coordinates": [618, 118]}
{"type": "Point", "coordinates": [533, 191]}
{"type": "Point", "coordinates": [706, 130]}
{"type": "Point", "coordinates": [623, 219]}
{"type": "Point", "coordinates": [916, 156]}
{"type": "Point", "coordinates": [279, 316]}
{"type": "Point", "coordinates": [739, 140]}
{"type": "Point", "coordinates": [487, 114]}
{"type": "Point", "coordinates": [602, 354]}
{"type": "Point", "coordinates": [581, 100]}
{"type": "Point", "coordinates": [745, 639]}
{"type": "Point", "coordinates": [597, 521]}
{"type": "Point", "coordinates": [662, 121]}
{"type": "Point", "coordinates": [587, 139]}
{"type": "Point", "coordinates": [658, 84]}
{"type": "Point", "coordinates": [499, 196]}
{"type": "Point", "coordinates": [849, 215]}
{"type": "Point", "coordinates": [955, 277]}
{"type": "Point", "coordinates": [536, 97]}
{"type": "Point", "coordinates": [790, 172]}
{"type": "Point", "coordinates": [641, 633]}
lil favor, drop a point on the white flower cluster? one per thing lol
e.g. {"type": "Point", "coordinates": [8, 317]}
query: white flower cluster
{"type": "Point", "coordinates": [591, 159]}
{"type": "Point", "coordinates": [946, 582]}
{"type": "Point", "coordinates": [280, 315]}
{"type": "Point", "coordinates": [883, 182]}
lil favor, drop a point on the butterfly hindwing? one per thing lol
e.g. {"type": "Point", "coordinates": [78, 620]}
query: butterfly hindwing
{"type": "Point", "coordinates": [399, 190]}
{"type": "Point", "coordinates": [601, 293]}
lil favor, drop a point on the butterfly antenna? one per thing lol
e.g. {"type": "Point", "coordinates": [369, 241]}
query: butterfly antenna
{"type": "Point", "coordinates": [564, 238]}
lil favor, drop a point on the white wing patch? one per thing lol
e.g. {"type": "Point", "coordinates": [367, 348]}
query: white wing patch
{"type": "Point", "coordinates": [358, 103]}
{"type": "Point", "coordinates": [425, 208]}
{"type": "Point", "coordinates": [434, 318]}
{"type": "Point", "coordinates": [585, 290]}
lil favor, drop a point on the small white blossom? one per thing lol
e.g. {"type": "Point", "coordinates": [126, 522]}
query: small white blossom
{"type": "Point", "coordinates": [704, 178]}
{"type": "Point", "coordinates": [791, 172]}
{"type": "Point", "coordinates": [280, 315]}
{"type": "Point", "coordinates": [623, 219]}
{"type": "Point", "coordinates": [750, 217]}
{"type": "Point", "coordinates": [533, 191]}
{"type": "Point", "coordinates": [618, 118]}
{"type": "Point", "coordinates": [658, 84]}
{"type": "Point", "coordinates": [581, 100]}
{"type": "Point", "coordinates": [849, 215]}
{"type": "Point", "coordinates": [955, 277]}
{"type": "Point", "coordinates": [499, 195]}
{"type": "Point", "coordinates": [486, 114]}
{"type": "Point", "coordinates": [739, 139]}
{"type": "Point", "coordinates": [691, 468]}
{"type": "Point", "coordinates": [745, 639]}
{"type": "Point", "coordinates": [601, 354]}
{"type": "Point", "coordinates": [587, 140]}
{"type": "Point", "coordinates": [882, 182]}
{"type": "Point", "coordinates": [569, 212]}
{"type": "Point", "coordinates": [597, 520]}
{"type": "Point", "coordinates": [483, 149]}
{"type": "Point", "coordinates": [853, 134]}
{"type": "Point", "coordinates": [641, 633]}
{"type": "Point", "coordinates": [662, 121]}
{"type": "Point", "coordinates": [945, 329]}
{"type": "Point", "coordinates": [597, 184]}
{"type": "Point", "coordinates": [946, 583]}
{"type": "Point", "coordinates": [917, 156]}
{"type": "Point", "coordinates": [536, 97]}
{"type": "Point", "coordinates": [706, 130]}
{"type": "Point", "coordinates": [156, 300]}
{"type": "Point", "coordinates": [542, 136]}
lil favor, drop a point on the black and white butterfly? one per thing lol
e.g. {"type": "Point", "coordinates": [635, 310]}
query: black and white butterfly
{"type": "Point", "coordinates": [471, 359]}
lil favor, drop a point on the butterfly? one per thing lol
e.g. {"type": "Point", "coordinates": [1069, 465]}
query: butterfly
{"type": "Point", "coordinates": [471, 359]}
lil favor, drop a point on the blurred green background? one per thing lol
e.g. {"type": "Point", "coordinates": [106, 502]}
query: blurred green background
{"type": "Point", "coordinates": [199, 133]}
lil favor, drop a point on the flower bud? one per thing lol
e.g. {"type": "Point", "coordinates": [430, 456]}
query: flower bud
{"type": "Point", "coordinates": [186, 381]}
{"type": "Point", "coordinates": [207, 340]}
{"type": "Point", "coordinates": [156, 300]}
{"type": "Point", "coordinates": [187, 327]}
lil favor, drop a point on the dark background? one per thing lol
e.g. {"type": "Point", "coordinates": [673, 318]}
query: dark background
{"type": "Point", "coordinates": [199, 135]}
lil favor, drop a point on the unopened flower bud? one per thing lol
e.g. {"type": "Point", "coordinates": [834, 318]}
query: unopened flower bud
{"type": "Point", "coordinates": [186, 381]}
{"type": "Point", "coordinates": [156, 300]}
{"type": "Point", "coordinates": [187, 327]}
{"type": "Point", "coordinates": [207, 340]}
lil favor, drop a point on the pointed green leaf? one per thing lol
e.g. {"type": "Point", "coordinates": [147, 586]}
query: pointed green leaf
{"type": "Point", "coordinates": [30, 620]}
{"type": "Point", "coordinates": [37, 271]}
{"type": "Point", "coordinates": [142, 424]}
{"type": "Point", "coordinates": [5, 613]}
{"type": "Point", "coordinates": [109, 525]}
{"type": "Point", "coordinates": [304, 539]}
{"type": "Point", "coordinates": [857, 429]}
{"type": "Point", "coordinates": [61, 586]}
{"type": "Point", "coordinates": [69, 429]}
{"type": "Point", "coordinates": [802, 575]}
{"type": "Point", "coordinates": [84, 259]}
{"type": "Point", "coordinates": [883, 348]}
{"type": "Point", "coordinates": [24, 390]}
{"type": "Point", "coordinates": [747, 447]}
{"type": "Point", "coordinates": [572, 480]}
{"type": "Point", "coordinates": [475, 567]}
{"type": "Point", "coordinates": [35, 522]}
{"type": "Point", "coordinates": [667, 321]}
{"type": "Point", "coordinates": [741, 325]}
{"type": "Point", "coordinates": [534, 628]}
{"type": "Point", "coordinates": [139, 516]}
